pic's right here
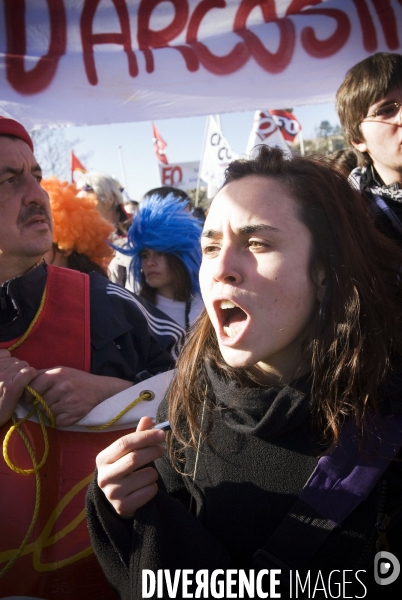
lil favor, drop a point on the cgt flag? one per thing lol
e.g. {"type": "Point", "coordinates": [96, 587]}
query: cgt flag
{"type": "Point", "coordinates": [288, 125]}
{"type": "Point", "coordinates": [265, 130]}
{"type": "Point", "coordinates": [216, 156]}
{"type": "Point", "coordinates": [159, 146]}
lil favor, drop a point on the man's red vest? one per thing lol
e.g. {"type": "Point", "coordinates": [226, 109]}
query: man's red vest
{"type": "Point", "coordinates": [57, 562]}
{"type": "Point", "coordinates": [61, 336]}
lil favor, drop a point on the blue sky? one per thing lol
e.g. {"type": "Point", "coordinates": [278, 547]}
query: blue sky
{"type": "Point", "coordinates": [184, 138]}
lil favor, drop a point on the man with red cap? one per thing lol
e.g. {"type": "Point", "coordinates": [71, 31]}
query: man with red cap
{"type": "Point", "coordinates": [75, 339]}
{"type": "Point", "coordinates": [88, 339]}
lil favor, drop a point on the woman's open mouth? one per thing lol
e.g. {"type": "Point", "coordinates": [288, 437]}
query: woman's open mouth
{"type": "Point", "coordinates": [231, 318]}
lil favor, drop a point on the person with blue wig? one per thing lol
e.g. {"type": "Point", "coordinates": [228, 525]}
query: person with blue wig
{"type": "Point", "coordinates": [163, 243]}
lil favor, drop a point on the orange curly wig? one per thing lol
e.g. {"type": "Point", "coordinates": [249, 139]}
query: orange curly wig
{"type": "Point", "coordinates": [77, 225]}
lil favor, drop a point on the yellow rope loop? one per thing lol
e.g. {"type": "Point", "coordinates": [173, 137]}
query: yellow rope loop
{"type": "Point", "coordinates": [16, 427]}
{"type": "Point", "coordinates": [144, 396]}
{"type": "Point", "coordinates": [36, 468]}
{"type": "Point", "coordinates": [40, 400]}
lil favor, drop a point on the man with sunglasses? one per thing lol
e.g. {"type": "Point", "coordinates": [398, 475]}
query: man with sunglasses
{"type": "Point", "coordinates": [369, 104]}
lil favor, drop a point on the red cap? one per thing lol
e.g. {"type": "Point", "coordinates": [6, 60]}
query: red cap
{"type": "Point", "coordinates": [11, 127]}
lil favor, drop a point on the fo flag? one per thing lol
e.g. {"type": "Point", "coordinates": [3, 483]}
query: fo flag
{"type": "Point", "coordinates": [159, 146]}
{"type": "Point", "coordinates": [288, 125]}
{"type": "Point", "coordinates": [180, 175]}
{"type": "Point", "coordinates": [216, 156]}
{"type": "Point", "coordinates": [265, 130]}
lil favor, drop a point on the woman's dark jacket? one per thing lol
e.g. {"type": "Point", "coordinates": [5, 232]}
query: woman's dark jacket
{"type": "Point", "coordinates": [262, 447]}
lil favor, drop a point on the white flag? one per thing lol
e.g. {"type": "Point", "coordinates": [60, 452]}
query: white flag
{"type": "Point", "coordinates": [216, 156]}
{"type": "Point", "coordinates": [265, 130]}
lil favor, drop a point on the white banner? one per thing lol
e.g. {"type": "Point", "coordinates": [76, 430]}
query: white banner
{"type": "Point", "coordinates": [116, 405]}
{"type": "Point", "coordinates": [216, 156]}
{"type": "Point", "coordinates": [180, 175]}
{"type": "Point", "coordinates": [92, 62]}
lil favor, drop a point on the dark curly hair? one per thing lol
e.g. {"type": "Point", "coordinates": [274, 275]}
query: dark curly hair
{"type": "Point", "coordinates": [352, 341]}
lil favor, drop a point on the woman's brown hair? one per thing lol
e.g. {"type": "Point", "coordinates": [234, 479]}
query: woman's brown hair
{"type": "Point", "coordinates": [182, 281]}
{"type": "Point", "coordinates": [357, 331]}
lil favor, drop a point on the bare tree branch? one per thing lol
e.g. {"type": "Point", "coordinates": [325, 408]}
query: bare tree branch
{"type": "Point", "coordinates": [52, 151]}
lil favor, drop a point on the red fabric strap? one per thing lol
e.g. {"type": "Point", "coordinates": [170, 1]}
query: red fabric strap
{"type": "Point", "coordinates": [61, 336]}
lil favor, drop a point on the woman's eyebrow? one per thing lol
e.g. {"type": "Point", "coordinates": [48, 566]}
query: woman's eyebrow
{"type": "Point", "coordinates": [211, 233]}
{"type": "Point", "coordinates": [253, 228]}
{"type": "Point", "coordinates": [247, 229]}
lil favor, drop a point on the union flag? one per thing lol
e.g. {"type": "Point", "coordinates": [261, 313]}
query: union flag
{"type": "Point", "coordinates": [288, 125]}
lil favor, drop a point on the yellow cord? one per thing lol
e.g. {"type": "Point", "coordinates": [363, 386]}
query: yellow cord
{"type": "Point", "coordinates": [35, 513]}
{"type": "Point", "coordinates": [144, 396]}
{"type": "Point", "coordinates": [28, 331]}
{"type": "Point", "coordinates": [16, 427]}
{"type": "Point", "coordinates": [40, 400]}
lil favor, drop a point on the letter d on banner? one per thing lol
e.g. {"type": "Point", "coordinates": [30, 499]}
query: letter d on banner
{"type": "Point", "coordinates": [148, 583]}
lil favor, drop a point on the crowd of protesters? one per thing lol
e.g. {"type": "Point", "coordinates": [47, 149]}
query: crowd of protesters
{"type": "Point", "coordinates": [285, 329]}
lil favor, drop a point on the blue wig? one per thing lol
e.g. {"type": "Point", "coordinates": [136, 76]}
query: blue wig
{"type": "Point", "coordinates": [164, 225]}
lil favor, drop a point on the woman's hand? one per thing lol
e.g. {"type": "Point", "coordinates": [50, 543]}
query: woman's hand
{"type": "Point", "coordinates": [123, 475]}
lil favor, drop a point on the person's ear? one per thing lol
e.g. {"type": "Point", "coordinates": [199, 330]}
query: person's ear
{"type": "Point", "coordinates": [360, 146]}
{"type": "Point", "coordinates": [320, 282]}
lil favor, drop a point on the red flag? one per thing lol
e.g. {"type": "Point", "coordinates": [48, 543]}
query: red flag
{"type": "Point", "coordinates": [159, 146]}
{"type": "Point", "coordinates": [288, 124]}
{"type": "Point", "coordinates": [76, 164]}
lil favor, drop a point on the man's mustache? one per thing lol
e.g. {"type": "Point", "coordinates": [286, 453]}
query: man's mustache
{"type": "Point", "coordinates": [32, 211]}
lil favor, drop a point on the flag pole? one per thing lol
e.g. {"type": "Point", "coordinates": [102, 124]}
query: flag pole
{"type": "Point", "coordinates": [122, 168]}
{"type": "Point", "coordinates": [301, 143]}
{"type": "Point", "coordinates": [197, 193]}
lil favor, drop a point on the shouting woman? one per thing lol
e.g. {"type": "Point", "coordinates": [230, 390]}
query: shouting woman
{"type": "Point", "coordinates": [284, 412]}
